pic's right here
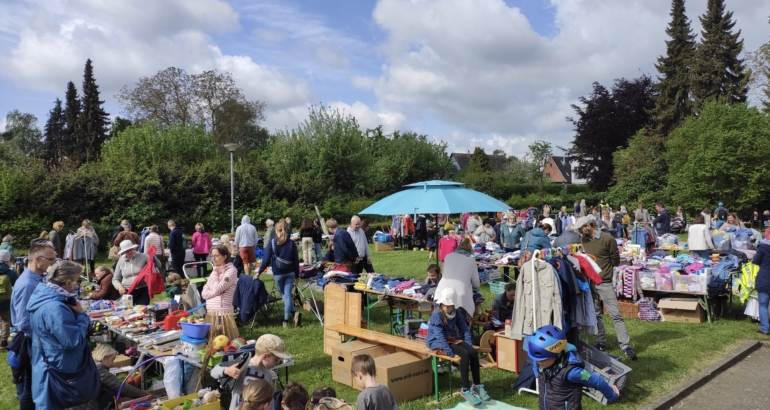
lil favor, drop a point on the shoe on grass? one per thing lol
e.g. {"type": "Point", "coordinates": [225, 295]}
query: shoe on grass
{"type": "Point", "coordinates": [600, 347]}
{"type": "Point", "coordinates": [470, 396]}
{"type": "Point", "coordinates": [479, 391]}
{"type": "Point", "coordinates": [285, 324]}
{"type": "Point", "coordinates": [761, 332]}
{"type": "Point", "coordinates": [297, 319]}
{"type": "Point", "coordinates": [630, 353]}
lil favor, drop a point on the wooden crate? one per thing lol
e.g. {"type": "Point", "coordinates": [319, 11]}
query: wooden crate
{"type": "Point", "coordinates": [335, 301]}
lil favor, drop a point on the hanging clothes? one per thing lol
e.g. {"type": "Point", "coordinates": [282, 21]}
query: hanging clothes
{"type": "Point", "coordinates": [538, 299]}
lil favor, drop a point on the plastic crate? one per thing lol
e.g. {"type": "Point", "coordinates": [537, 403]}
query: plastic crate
{"type": "Point", "coordinates": [195, 331]}
{"type": "Point", "coordinates": [214, 359]}
{"type": "Point", "coordinates": [496, 287]}
{"type": "Point", "coordinates": [612, 371]}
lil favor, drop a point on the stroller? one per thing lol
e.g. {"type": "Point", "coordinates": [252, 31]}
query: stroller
{"type": "Point", "coordinates": [678, 225]}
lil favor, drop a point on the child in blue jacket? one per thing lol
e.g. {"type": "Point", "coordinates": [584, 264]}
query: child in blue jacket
{"type": "Point", "coordinates": [448, 331]}
{"type": "Point", "coordinates": [561, 373]}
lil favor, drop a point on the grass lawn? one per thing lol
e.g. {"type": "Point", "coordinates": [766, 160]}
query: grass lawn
{"type": "Point", "coordinates": [669, 353]}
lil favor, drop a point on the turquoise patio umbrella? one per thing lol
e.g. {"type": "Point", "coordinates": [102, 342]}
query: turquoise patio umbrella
{"type": "Point", "coordinates": [435, 197]}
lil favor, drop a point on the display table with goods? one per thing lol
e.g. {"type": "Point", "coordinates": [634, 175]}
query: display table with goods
{"type": "Point", "coordinates": [683, 287]}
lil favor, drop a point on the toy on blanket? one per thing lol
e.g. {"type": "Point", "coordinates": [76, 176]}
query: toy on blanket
{"type": "Point", "coordinates": [205, 396]}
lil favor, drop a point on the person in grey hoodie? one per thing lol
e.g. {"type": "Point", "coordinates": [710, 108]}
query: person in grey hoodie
{"type": "Point", "coordinates": [246, 239]}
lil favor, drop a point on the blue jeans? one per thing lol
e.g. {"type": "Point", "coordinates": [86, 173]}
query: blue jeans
{"type": "Point", "coordinates": [285, 283]}
{"type": "Point", "coordinates": [764, 321]}
{"type": "Point", "coordinates": [718, 224]}
{"type": "Point", "coordinates": [701, 254]}
{"type": "Point", "coordinates": [318, 255]}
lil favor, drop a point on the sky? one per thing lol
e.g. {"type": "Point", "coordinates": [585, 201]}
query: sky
{"type": "Point", "coordinates": [499, 74]}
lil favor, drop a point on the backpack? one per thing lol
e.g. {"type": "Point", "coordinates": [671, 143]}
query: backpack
{"type": "Point", "coordinates": [626, 219]}
{"type": "Point", "coordinates": [722, 214]}
{"type": "Point", "coordinates": [618, 218]}
{"type": "Point", "coordinates": [329, 403]}
{"type": "Point", "coordinates": [5, 288]}
{"type": "Point", "coordinates": [184, 241]}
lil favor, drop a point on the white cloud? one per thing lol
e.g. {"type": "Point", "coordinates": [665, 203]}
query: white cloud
{"type": "Point", "coordinates": [127, 40]}
{"type": "Point", "coordinates": [368, 118]}
{"type": "Point", "coordinates": [480, 68]}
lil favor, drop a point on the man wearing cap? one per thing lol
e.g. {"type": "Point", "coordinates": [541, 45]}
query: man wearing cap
{"type": "Point", "coordinates": [128, 268]}
{"type": "Point", "coordinates": [5, 307]}
{"type": "Point", "coordinates": [602, 245]}
{"type": "Point", "coordinates": [269, 351]}
{"type": "Point", "coordinates": [41, 256]}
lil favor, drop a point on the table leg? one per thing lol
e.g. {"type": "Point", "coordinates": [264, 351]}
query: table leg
{"type": "Point", "coordinates": [506, 278]}
{"type": "Point", "coordinates": [708, 308]}
{"type": "Point", "coordinates": [368, 310]}
{"type": "Point", "coordinates": [390, 313]}
{"type": "Point", "coordinates": [434, 365]}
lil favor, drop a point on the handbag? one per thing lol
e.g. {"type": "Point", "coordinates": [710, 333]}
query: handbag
{"type": "Point", "coordinates": [69, 389]}
{"type": "Point", "coordinates": [280, 263]}
{"type": "Point", "coordinates": [525, 254]}
{"type": "Point", "coordinates": [114, 253]}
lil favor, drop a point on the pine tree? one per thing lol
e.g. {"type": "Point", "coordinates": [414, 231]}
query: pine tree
{"type": "Point", "coordinates": [717, 72]}
{"type": "Point", "coordinates": [70, 141]}
{"type": "Point", "coordinates": [54, 131]}
{"type": "Point", "coordinates": [673, 104]}
{"type": "Point", "coordinates": [94, 121]}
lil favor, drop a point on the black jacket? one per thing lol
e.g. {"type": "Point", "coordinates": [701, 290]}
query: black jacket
{"type": "Point", "coordinates": [663, 221]}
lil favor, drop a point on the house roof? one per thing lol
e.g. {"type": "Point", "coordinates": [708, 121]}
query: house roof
{"type": "Point", "coordinates": [564, 167]}
{"type": "Point", "coordinates": [462, 160]}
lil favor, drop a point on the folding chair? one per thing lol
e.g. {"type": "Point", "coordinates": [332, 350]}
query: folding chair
{"type": "Point", "coordinates": [190, 271]}
{"type": "Point", "coordinates": [300, 296]}
{"type": "Point", "coordinates": [268, 309]}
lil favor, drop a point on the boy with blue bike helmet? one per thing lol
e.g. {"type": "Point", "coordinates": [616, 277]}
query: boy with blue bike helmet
{"type": "Point", "coordinates": [560, 371]}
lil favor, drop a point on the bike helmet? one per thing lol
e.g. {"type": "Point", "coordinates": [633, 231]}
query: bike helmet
{"type": "Point", "coordinates": [547, 342]}
{"type": "Point", "coordinates": [13, 360]}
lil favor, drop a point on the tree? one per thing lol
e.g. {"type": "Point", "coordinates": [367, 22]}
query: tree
{"type": "Point", "coordinates": [539, 153]}
{"type": "Point", "coordinates": [720, 156]}
{"type": "Point", "coordinates": [174, 97]}
{"type": "Point", "coordinates": [673, 104]}
{"type": "Point", "coordinates": [759, 61]}
{"type": "Point", "coordinates": [479, 161]}
{"type": "Point", "coordinates": [605, 123]}
{"type": "Point", "coordinates": [94, 121]}
{"type": "Point", "coordinates": [640, 170]}
{"type": "Point", "coordinates": [54, 132]}
{"type": "Point", "coordinates": [70, 142]}
{"type": "Point", "coordinates": [717, 72]}
{"type": "Point", "coordinates": [22, 134]}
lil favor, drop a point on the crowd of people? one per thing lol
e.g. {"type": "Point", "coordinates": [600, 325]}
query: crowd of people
{"type": "Point", "coordinates": [47, 292]}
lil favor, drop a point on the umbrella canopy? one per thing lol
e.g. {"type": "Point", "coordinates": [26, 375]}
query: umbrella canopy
{"type": "Point", "coordinates": [435, 197]}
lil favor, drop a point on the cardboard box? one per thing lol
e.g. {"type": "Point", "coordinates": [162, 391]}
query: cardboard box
{"type": "Point", "coordinates": [342, 357]}
{"type": "Point", "coordinates": [407, 376]}
{"type": "Point", "coordinates": [121, 360]}
{"type": "Point", "coordinates": [384, 246]}
{"type": "Point", "coordinates": [681, 310]}
{"type": "Point", "coordinates": [310, 306]}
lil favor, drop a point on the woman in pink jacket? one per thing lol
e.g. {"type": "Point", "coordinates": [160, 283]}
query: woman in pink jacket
{"type": "Point", "coordinates": [218, 293]}
{"type": "Point", "coordinates": [201, 243]}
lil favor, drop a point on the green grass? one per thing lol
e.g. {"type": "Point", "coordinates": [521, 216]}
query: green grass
{"type": "Point", "coordinates": [669, 353]}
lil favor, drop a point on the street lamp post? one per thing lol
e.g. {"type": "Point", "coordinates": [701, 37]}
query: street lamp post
{"type": "Point", "coordinates": [232, 147]}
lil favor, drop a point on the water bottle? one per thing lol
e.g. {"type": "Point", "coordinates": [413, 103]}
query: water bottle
{"type": "Point", "coordinates": [507, 327]}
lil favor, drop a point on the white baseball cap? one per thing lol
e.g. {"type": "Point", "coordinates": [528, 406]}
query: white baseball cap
{"type": "Point", "coordinates": [447, 297]}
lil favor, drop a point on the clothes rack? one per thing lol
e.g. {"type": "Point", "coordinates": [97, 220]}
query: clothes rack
{"type": "Point", "coordinates": [535, 256]}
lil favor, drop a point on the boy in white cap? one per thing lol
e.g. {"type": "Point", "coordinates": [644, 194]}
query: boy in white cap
{"type": "Point", "coordinates": [443, 328]}
{"type": "Point", "coordinates": [268, 353]}
{"type": "Point", "coordinates": [7, 280]}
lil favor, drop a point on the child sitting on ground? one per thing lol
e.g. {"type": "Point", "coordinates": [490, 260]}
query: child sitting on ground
{"type": "Point", "coordinates": [443, 326]}
{"type": "Point", "coordinates": [375, 396]}
{"type": "Point", "coordinates": [173, 285]}
{"type": "Point", "coordinates": [258, 395]}
{"type": "Point", "coordinates": [268, 352]}
{"type": "Point", "coordinates": [295, 397]}
{"type": "Point", "coordinates": [560, 371]}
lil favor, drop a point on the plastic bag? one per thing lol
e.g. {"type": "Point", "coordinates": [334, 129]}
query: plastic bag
{"type": "Point", "coordinates": [722, 242]}
{"type": "Point", "coordinates": [667, 240]}
{"type": "Point", "coordinates": [172, 377]}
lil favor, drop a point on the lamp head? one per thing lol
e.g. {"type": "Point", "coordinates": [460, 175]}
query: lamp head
{"type": "Point", "coordinates": [231, 146]}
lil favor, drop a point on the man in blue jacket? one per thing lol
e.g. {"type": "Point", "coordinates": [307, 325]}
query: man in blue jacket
{"type": "Point", "coordinates": [663, 221]}
{"type": "Point", "coordinates": [41, 256]}
{"type": "Point", "coordinates": [176, 247]}
{"type": "Point", "coordinates": [345, 252]}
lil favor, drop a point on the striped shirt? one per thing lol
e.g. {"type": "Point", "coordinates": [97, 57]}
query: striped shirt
{"type": "Point", "coordinates": [151, 239]}
{"type": "Point", "coordinates": [220, 288]}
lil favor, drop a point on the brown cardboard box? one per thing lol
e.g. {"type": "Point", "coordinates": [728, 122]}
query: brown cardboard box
{"type": "Point", "coordinates": [310, 306]}
{"type": "Point", "coordinates": [407, 376]}
{"type": "Point", "coordinates": [681, 310]}
{"type": "Point", "coordinates": [342, 357]}
{"type": "Point", "coordinates": [121, 360]}
{"type": "Point", "coordinates": [384, 246]}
